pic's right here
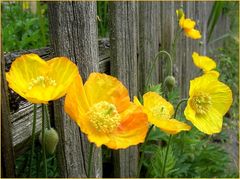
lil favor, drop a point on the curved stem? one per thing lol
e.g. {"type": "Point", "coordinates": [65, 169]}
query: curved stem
{"type": "Point", "coordinates": [33, 138]}
{"type": "Point", "coordinates": [154, 62]}
{"type": "Point", "coordinates": [142, 155]}
{"type": "Point", "coordinates": [43, 142]}
{"type": "Point", "coordinates": [47, 117]}
{"type": "Point", "coordinates": [170, 137]}
{"type": "Point", "coordinates": [179, 103]}
{"type": "Point", "coordinates": [90, 161]}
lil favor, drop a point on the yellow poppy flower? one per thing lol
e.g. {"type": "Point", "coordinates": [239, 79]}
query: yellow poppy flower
{"type": "Point", "coordinates": [41, 81]}
{"type": "Point", "coordinates": [159, 112]}
{"type": "Point", "coordinates": [209, 101]}
{"type": "Point", "coordinates": [205, 63]}
{"type": "Point", "coordinates": [188, 26]}
{"type": "Point", "coordinates": [103, 111]}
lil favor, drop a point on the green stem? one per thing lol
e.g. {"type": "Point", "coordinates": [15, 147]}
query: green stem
{"type": "Point", "coordinates": [170, 137]}
{"type": "Point", "coordinates": [90, 161]}
{"type": "Point", "coordinates": [166, 154]}
{"type": "Point", "coordinates": [154, 62]}
{"type": "Point", "coordinates": [173, 47]}
{"type": "Point", "coordinates": [142, 155]}
{"type": "Point", "coordinates": [179, 103]}
{"type": "Point", "coordinates": [43, 142]}
{"type": "Point", "coordinates": [47, 117]}
{"type": "Point", "coordinates": [33, 138]}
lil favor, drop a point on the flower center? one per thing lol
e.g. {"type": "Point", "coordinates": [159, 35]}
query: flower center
{"type": "Point", "coordinates": [104, 117]}
{"type": "Point", "coordinates": [43, 81]}
{"type": "Point", "coordinates": [201, 103]}
{"type": "Point", "coordinates": [160, 112]}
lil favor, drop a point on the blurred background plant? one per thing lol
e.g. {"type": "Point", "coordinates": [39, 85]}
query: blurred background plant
{"type": "Point", "coordinates": [25, 27]}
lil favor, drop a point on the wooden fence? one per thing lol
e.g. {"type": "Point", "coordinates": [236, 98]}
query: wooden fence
{"type": "Point", "coordinates": [138, 30]}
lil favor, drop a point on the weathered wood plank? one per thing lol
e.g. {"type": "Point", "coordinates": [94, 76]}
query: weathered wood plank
{"type": "Point", "coordinates": [21, 110]}
{"type": "Point", "coordinates": [7, 154]}
{"type": "Point", "coordinates": [123, 50]}
{"type": "Point", "coordinates": [149, 41]}
{"type": "Point", "coordinates": [74, 34]}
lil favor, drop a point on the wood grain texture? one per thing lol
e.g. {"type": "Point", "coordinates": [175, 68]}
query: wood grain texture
{"type": "Point", "coordinates": [74, 34]}
{"type": "Point", "coordinates": [7, 153]}
{"type": "Point", "coordinates": [123, 51]}
{"type": "Point", "coordinates": [149, 41]}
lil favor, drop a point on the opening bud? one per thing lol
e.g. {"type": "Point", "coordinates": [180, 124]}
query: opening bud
{"type": "Point", "coordinates": [180, 13]}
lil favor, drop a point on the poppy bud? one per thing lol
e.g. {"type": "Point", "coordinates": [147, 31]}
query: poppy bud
{"type": "Point", "coordinates": [180, 13]}
{"type": "Point", "coordinates": [170, 82]}
{"type": "Point", "coordinates": [51, 140]}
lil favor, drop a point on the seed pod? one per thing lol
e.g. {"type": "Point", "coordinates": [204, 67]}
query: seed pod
{"type": "Point", "coordinates": [170, 82]}
{"type": "Point", "coordinates": [51, 140]}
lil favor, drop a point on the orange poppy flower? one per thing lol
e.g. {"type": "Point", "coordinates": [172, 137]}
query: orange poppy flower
{"type": "Point", "coordinates": [41, 81]}
{"type": "Point", "coordinates": [159, 112]}
{"type": "Point", "coordinates": [103, 111]}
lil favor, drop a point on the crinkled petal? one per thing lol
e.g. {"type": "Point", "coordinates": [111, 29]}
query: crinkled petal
{"type": "Point", "coordinates": [209, 123]}
{"type": "Point", "coordinates": [214, 73]}
{"type": "Point", "coordinates": [23, 70]}
{"type": "Point", "coordinates": [188, 24]}
{"type": "Point", "coordinates": [203, 62]}
{"type": "Point", "coordinates": [63, 71]}
{"type": "Point", "coordinates": [192, 33]}
{"type": "Point", "coordinates": [171, 126]}
{"type": "Point", "coordinates": [76, 102]}
{"type": "Point", "coordinates": [131, 131]}
{"type": "Point", "coordinates": [152, 99]}
{"type": "Point", "coordinates": [102, 87]}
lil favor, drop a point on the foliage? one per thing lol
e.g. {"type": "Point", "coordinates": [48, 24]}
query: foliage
{"type": "Point", "coordinates": [22, 164]}
{"type": "Point", "coordinates": [189, 153]}
{"type": "Point", "coordinates": [102, 12]}
{"type": "Point", "coordinates": [22, 29]}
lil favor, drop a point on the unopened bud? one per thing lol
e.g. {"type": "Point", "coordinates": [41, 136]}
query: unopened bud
{"type": "Point", "coordinates": [51, 140]}
{"type": "Point", "coordinates": [170, 82]}
{"type": "Point", "coordinates": [180, 13]}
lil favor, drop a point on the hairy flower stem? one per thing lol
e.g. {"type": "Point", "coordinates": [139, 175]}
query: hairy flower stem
{"type": "Point", "coordinates": [142, 154]}
{"type": "Point", "coordinates": [154, 64]}
{"type": "Point", "coordinates": [47, 117]}
{"type": "Point", "coordinates": [43, 142]}
{"type": "Point", "coordinates": [169, 139]}
{"type": "Point", "coordinates": [90, 161]}
{"type": "Point", "coordinates": [33, 138]}
{"type": "Point", "coordinates": [173, 46]}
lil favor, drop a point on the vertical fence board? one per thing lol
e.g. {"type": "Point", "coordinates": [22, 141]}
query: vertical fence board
{"type": "Point", "coordinates": [123, 50]}
{"type": "Point", "coordinates": [7, 154]}
{"type": "Point", "coordinates": [149, 41]}
{"type": "Point", "coordinates": [74, 34]}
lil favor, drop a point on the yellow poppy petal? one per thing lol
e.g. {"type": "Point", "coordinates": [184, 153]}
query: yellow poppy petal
{"type": "Point", "coordinates": [136, 101]}
{"type": "Point", "coordinates": [209, 100]}
{"type": "Point", "coordinates": [102, 87]}
{"type": "Point", "coordinates": [63, 72]}
{"type": "Point", "coordinates": [131, 131]}
{"type": "Point", "coordinates": [76, 103]}
{"type": "Point", "coordinates": [192, 33]}
{"type": "Point", "coordinates": [171, 126]}
{"type": "Point", "coordinates": [214, 73]}
{"type": "Point", "coordinates": [203, 62]}
{"type": "Point", "coordinates": [210, 123]}
{"type": "Point", "coordinates": [188, 24]}
{"type": "Point", "coordinates": [153, 100]}
{"type": "Point", "coordinates": [23, 70]}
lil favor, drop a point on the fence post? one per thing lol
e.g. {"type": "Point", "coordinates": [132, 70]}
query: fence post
{"type": "Point", "coordinates": [149, 41]}
{"type": "Point", "coordinates": [74, 34]}
{"type": "Point", "coordinates": [7, 153]}
{"type": "Point", "coordinates": [123, 52]}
